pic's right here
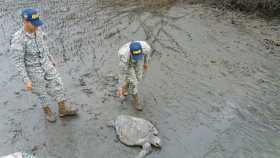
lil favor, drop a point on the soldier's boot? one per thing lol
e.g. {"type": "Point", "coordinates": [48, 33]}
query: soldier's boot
{"type": "Point", "coordinates": [136, 102]}
{"type": "Point", "coordinates": [66, 110]}
{"type": "Point", "coordinates": [50, 116]}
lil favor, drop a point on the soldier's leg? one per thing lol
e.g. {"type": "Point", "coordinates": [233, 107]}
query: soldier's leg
{"type": "Point", "coordinates": [56, 91]}
{"type": "Point", "coordinates": [133, 82]}
{"type": "Point", "coordinates": [139, 70]}
{"type": "Point", "coordinates": [54, 85]}
{"type": "Point", "coordinates": [36, 76]}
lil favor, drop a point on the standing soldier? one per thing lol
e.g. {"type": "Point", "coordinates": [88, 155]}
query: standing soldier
{"type": "Point", "coordinates": [134, 57]}
{"type": "Point", "coordinates": [36, 65]}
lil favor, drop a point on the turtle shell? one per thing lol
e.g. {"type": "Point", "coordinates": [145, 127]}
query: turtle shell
{"type": "Point", "coordinates": [131, 130]}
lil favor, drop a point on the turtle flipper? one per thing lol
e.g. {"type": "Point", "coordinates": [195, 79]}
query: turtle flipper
{"type": "Point", "coordinates": [147, 148]}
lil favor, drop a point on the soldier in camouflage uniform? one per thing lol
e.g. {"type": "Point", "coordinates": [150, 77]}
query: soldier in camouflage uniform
{"type": "Point", "coordinates": [35, 64]}
{"type": "Point", "coordinates": [134, 57]}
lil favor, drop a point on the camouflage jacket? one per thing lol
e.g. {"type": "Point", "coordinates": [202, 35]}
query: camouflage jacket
{"type": "Point", "coordinates": [29, 50]}
{"type": "Point", "coordinates": [125, 59]}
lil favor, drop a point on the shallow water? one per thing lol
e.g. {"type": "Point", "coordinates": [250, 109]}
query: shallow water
{"type": "Point", "coordinates": [212, 88]}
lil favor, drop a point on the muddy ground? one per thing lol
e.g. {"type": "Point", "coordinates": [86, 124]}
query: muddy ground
{"type": "Point", "coordinates": [212, 88]}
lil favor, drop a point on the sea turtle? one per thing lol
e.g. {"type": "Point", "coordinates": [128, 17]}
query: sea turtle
{"type": "Point", "coordinates": [133, 131]}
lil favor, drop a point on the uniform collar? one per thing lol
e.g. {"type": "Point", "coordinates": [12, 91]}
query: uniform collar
{"type": "Point", "coordinates": [30, 35]}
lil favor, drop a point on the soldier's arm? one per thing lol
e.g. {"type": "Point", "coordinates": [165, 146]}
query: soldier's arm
{"type": "Point", "coordinates": [122, 70]}
{"type": "Point", "coordinates": [17, 56]}
{"type": "Point", "coordinates": [123, 65]}
{"type": "Point", "coordinates": [45, 45]}
{"type": "Point", "coordinates": [146, 59]}
{"type": "Point", "coordinates": [52, 59]}
{"type": "Point", "coordinates": [147, 51]}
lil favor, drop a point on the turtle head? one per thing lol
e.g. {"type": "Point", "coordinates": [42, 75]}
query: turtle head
{"type": "Point", "coordinates": [155, 140]}
{"type": "Point", "coordinates": [111, 123]}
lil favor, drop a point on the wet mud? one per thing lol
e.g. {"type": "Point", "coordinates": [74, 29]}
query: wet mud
{"type": "Point", "coordinates": [212, 89]}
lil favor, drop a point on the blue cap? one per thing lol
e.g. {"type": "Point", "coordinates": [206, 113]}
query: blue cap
{"type": "Point", "coordinates": [32, 15]}
{"type": "Point", "coordinates": [136, 50]}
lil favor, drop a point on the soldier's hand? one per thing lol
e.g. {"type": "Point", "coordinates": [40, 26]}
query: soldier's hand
{"type": "Point", "coordinates": [120, 92]}
{"type": "Point", "coordinates": [29, 86]}
{"type": "Point", "coordinates": [145, 67]}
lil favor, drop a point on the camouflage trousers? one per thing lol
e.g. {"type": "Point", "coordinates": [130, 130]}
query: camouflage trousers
{"type": "Point", "coordinates": [46, 82]}
{"type": "Point", "coordinates": [133, 77]}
